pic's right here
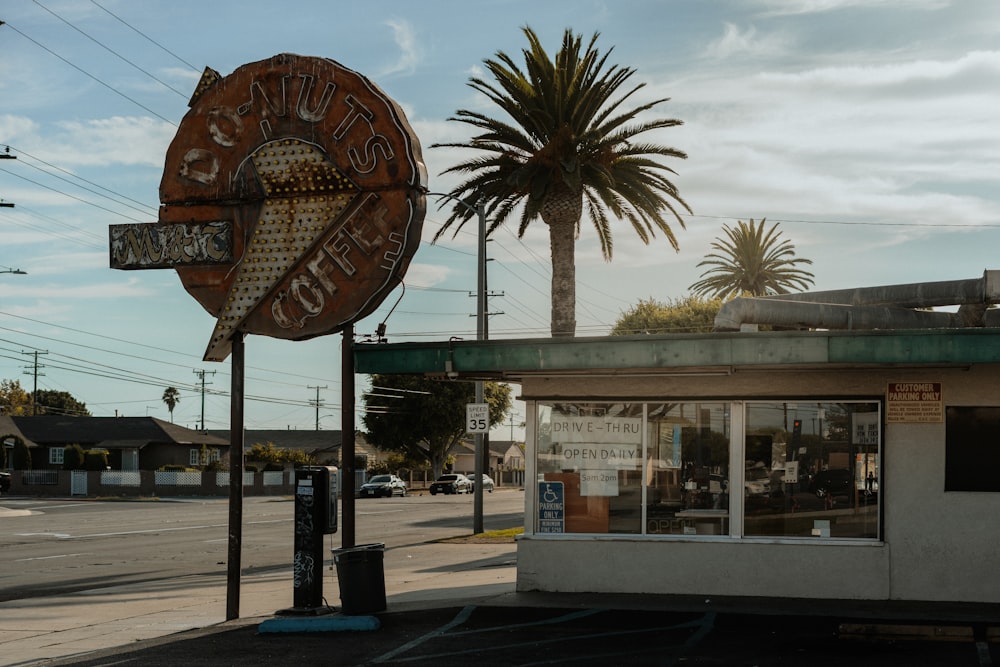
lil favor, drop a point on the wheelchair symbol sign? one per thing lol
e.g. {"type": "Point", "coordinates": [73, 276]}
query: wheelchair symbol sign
{"type": "Point", "coordinates": [551, 507]}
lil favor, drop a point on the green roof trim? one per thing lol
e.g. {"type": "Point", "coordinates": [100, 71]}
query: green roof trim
{"type": "Point", "coordinates": [511, 358]}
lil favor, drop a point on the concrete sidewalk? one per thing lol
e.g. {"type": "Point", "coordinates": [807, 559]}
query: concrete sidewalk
{"type": "Point", "coordinates": [34, 631]}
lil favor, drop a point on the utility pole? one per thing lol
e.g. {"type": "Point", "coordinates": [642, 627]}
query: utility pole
{"type": "Point", "coordinates": [200, 372]}
{"type": "Point", "coordinates": [512, 413]}
{"type": "Point", "coordinates": [34, 371]}
{"type": "Point", "coordinates": [317, 402]}
{"type": "Point", "coordinates": [482, 441]}
{"type": "Point", "coordinates": [6, 156]}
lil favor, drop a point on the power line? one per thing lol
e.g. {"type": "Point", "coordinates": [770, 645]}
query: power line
{"type": "Point", "coordinates": [90, 76]}
{"type": "Point", "coordinates": [145, 208]}
{"type": "Point", "coordinates": [112, 51]}
{"type": "Point", "coordinates": [79, 199]}
{"type": "Point", "coordinates": [147, 37]}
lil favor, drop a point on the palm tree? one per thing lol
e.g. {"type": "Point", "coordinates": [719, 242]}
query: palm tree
{"type": "Point", "coordinates": [570, 145]}
{"type": "Point", "coordinates": [751, 261]}
{"type": "Point", "coordinates": [171, 397]}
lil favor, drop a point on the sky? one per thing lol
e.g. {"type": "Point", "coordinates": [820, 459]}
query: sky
{"type": "Point", "coordinates": [867, 129]}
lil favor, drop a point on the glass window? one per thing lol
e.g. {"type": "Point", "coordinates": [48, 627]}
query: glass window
{"type": "Point", "coordinates": [633, 468]}
{"type": "Point", "coordinates": [971, 456]}
{"type": "Point", "coordinates": [811, 469]}
{"type": "Point", "coordinates": [194, 457]}
{"type": "Point", "coordinates": [688, 467]}
{"type": "Point", "coordinates": [56, 455]}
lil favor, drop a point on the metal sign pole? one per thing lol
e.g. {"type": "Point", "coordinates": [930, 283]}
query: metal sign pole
{"type": "Point", "coordinates": [347, 436]}
{"type": "Point", "coordinates": [235, 480]}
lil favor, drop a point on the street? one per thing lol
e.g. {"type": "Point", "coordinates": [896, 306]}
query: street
{"type": "Point", "coordinates": [68, 545]}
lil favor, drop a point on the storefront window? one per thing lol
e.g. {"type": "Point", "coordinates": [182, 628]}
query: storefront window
{"type": "Point", "coordinates": [660, 468]}
{"type": "Point", "coordinates": [811, 469]}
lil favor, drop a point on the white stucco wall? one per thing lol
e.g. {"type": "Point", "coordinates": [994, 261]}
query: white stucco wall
{"type": "Point", "coordinates": [937, 546]}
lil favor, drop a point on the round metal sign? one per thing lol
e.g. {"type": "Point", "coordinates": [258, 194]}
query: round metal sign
{"type": "Point", "coordinates": [318, 178]}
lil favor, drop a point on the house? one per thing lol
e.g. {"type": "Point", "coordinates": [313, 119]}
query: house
{"type": "Point", "coordinates": [465, 457]}
{"type": "Point", "coordinates": [132, 443]}
{"type": "Point", "coordinates": [857, 463]}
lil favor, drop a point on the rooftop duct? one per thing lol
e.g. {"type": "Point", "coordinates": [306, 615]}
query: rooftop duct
{"type": "Point", "coordinates": [885, 307]}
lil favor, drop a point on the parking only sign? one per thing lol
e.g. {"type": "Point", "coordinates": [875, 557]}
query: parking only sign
{"type": "Point", "coordinates": [477, 418]}
{"type": "Point", "coordinates": [551, 507]}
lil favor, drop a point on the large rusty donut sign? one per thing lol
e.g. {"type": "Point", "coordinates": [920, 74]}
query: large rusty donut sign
{"type": "Point", "coordinates": [292, 200]}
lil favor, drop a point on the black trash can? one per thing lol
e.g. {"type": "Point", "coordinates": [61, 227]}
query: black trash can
{"type": "Point", "coordinates": [362, 578]}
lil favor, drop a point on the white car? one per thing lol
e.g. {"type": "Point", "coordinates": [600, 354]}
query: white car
{"type": "Point", "coordinates": [757, 482]}
{"type": "Point", "coordinates": [487, 483]}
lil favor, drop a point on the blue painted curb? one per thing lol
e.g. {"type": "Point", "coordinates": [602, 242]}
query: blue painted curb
{"type": "Point", "coordinates": [320, 624]}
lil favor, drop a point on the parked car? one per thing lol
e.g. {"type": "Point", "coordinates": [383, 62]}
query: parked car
{"type": "Point", "coordinates": [757, 482]}
{"type": "Point", "coordinates": [487, 484]}
{"type": "Point", "coordinates": [4, 482]}
{"type": "Point", "coordinates": [451, 483]}
{"type": "Point", "coordinates": [383, 485]}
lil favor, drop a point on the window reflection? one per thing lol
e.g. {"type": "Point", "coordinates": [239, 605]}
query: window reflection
{"type": "Point", "coordinates": [812, 469]}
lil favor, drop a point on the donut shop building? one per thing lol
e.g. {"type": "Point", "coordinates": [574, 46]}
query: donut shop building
{"type": "Point", "coordinates": [838, 465]}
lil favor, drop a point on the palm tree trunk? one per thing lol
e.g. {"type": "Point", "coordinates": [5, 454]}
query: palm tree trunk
{"type": "Point", "coordinates": [562, 243]}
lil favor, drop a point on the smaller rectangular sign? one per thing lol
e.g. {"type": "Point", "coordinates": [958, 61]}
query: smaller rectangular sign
{"type": "Point", "coordinates": [551, 507]}
{"type": "Point", "coordinates": [477, 418]}
{"type": "Point", "coordinates": [158, 245]}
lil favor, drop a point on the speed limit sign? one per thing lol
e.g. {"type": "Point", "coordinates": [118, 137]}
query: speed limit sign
{"type": "Point", "coordinates": [477, 418]}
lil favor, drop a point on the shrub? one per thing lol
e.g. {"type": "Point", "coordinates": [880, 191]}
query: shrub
{"type": "Point", "coordinates": [74, 457]}
{"type": "Point", "coordinates": [95, 459]}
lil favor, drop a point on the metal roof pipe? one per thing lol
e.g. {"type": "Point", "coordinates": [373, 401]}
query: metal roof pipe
{"type": "Point", "coordinates": [911, 295]}
{"type": "Point", "coordinates": [806, 315]}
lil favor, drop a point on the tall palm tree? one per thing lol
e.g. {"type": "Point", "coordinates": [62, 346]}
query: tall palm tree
{"type": "Point", "coordinates": [171, 397]}
{"type": "Point", "coordinates": [751, 261]}
{"type": "Point", "coordinates": [568, 145]}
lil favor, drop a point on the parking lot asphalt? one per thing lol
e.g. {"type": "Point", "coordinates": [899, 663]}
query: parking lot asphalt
{"type": "Point", "coordinates": [525, 630]}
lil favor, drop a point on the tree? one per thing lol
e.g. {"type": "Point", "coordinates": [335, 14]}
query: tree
{"type": "Point", "coordinates": [751, 261]}
{"type": "Point", "coordinates": [425, 418]}
{"type": "Point", "coordinates": [14, 401]}
{"type": "Point", "coordinates": [268, 454]}
{"type": "Point", "coordinates": [21, 456]}
{"type": "Point", "coordinates": [171, 397]}
{"type": "Point", "coordinates": [571, 145]}
{"type": "Point", "coordinates": [49, 402]}
{"type": "Point", "coordinates": [692, 314]}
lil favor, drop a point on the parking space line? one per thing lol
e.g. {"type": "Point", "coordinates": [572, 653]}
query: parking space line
{"type": "Point", "coordinates": [702, 626]}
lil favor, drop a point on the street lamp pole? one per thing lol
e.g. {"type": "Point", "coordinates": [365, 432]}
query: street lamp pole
{"type": "Point", "coordinates": [480, 211]}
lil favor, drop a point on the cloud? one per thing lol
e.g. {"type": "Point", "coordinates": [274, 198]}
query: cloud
{"type": "Point", "coordinates": [426, 275]}
{"type": "Point", "coordinates": [406, 40]}
{"type": "Point", "coordinates": [734, 43]}
{"type": "Point", "coordinates": [116, 140]}
{"type": "Point", "coordinates": [797, 7]}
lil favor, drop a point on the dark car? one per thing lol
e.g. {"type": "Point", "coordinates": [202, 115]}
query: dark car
{"type": "Point", "coordinates": [451, 483]}
{"type": "Point", "coordinates": [383, 485]}
{"type": "Point", "coordinates": [4, 482]}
